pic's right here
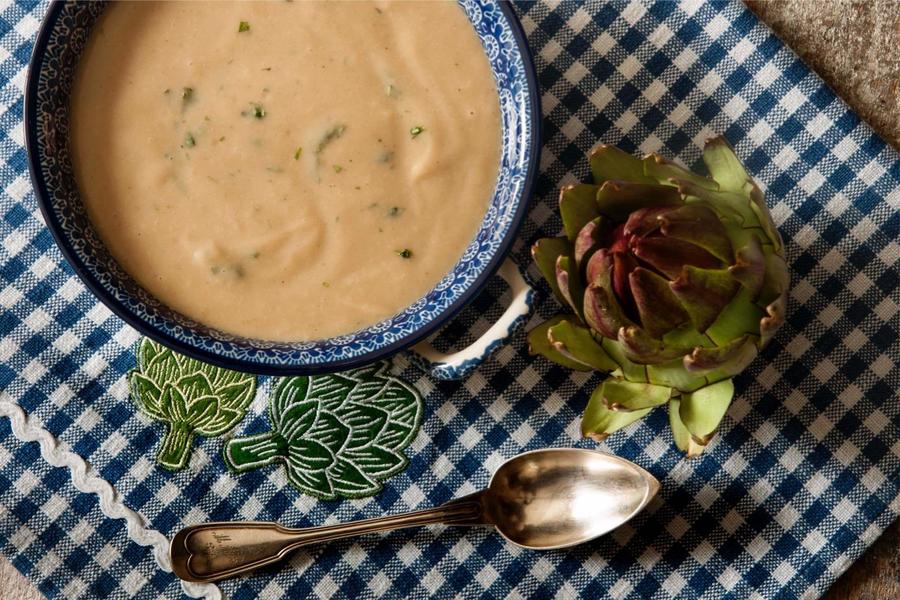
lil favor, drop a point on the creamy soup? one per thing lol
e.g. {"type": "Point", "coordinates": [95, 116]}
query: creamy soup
{"type": "Point", "coordinates": [286, 170]}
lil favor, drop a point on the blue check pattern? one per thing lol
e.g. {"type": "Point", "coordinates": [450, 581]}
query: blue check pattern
{"type": "Point", "coordinates": [803, 476]}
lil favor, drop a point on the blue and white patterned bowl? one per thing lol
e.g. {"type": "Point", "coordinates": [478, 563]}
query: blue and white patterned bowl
{"type": "Point", "coordinates": [59, 45]}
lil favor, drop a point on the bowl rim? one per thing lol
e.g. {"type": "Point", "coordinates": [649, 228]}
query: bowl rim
{"type": "Point", "coordinates": [42, 194]}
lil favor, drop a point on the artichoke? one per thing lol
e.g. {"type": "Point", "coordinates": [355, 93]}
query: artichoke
{"type": "Point", "coordinates": [676, 280]}
{"type": "Point", "coordinates": [189, 396]}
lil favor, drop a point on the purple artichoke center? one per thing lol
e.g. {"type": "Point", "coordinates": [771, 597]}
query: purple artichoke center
{"type": "Point", "coordinates": [650, 254]}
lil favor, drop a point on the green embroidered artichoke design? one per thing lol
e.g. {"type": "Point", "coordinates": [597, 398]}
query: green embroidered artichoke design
{"type": "Point", "coordinates": [336, 435]}
{"type": "Point", "coordinates": [190, 397]}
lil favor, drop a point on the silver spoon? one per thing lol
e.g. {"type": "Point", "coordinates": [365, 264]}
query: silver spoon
{"type": "Point", "coordinates": [541, 500]}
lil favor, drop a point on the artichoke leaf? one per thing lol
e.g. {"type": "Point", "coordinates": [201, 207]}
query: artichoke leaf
{"type": "Point", "coordinates": [724, 166]}
{"type": "Point", "coordinates": [749, 268]}
{"type": "Point", "coordinates": [587, 241]}
{"type": "Point", "coordinates": [194, 385]}
{"type": "Point", "coordinates": [687, 337]}
{"type": "Point", "coordinates": [659, 309]}
{"type": "Point", "coordinates": [578, 207]}
{"type": "Point", "coordinates": [701, 411]}
{"type": "Point", "coordinates": [173, 404]}
{"type": "Point", "coordinates": [545, 252]}
{"type": "Point", "coordinates": [769, 324]}
{"type": "Point", "coordinates": [332, 390]}
{"type": "Point", "coordinates": [741, 317]}
{"type": "Point", "coordinates": [673, 374]}
{"type": "Point", "coordinates": [698, 225]}
{"type": "Point", "coordinates": [618, 199]}
{"type": "Point", "coordinates": [162, 365]}
{"type": "Point", "coordinates": [704, 293]}
{"type": "Point", "coordinates": [602, 312]}
{"type": "Point", "coordinates": [539, 343]}
{"type": "Point", "coordinates": [599, 421]}
{"type": "Point", "coordinates": [630, 370]}
{"type": "Point", "coordinates": [642, 349]}
{"type": "Point", "coordinates": [776, 281]}
{"type": "Point", "coordinates": [619, 395]}
{"type": "Point", "coordinates": [683, 438]}
{"type": "Point", "coordinates": [308, 455]}
{"type": "Point", "coordinates": [669, 255]}
{"type": "Point", "coordinates": [722, 361]}
{"type": "Point", "coordinates": [608, 162]}
{"type": "Point", "coordinates": [577, 344]}
{"type": "Point", "coordinates": [668, 173]}
{"type": "Point", "coordinates": [764, 217]}
{"type": "Point", "coordinates": [377, 461]}
{"type": "Point", "coordinates": [731, 204]}
{"type": "Point", "coordinates": [570, 283]}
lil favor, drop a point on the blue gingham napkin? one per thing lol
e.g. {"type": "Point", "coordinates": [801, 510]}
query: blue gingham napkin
{"type": "Point", "coordinates": [803, 476]}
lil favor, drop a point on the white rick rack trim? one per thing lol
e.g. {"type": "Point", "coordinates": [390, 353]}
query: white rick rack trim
{"type": "Point", "coordinates": [85, 479]}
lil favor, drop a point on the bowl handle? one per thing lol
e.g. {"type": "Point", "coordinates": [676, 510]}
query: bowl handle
{"type": "Point", "coordinates": [458, 364]}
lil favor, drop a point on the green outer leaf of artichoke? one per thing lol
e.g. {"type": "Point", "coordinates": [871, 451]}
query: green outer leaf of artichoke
{"type": "Point", "coordinates": [313, 483]}
{"type": "Point", "coordinates": [539, 343]}
{"type": "Point", "coordinates": [777, 279]}
{"type": "Point", "coordinates": [587, 241]}
{"type": "Point", "coordinates": [704, 293]}
{"type": "Point", "coordinates": [642, 349]}
{"type": "Point", "coordinates": [163, 367]}
{"type": "Point", "coordinates": [332, 390]}
{"type": "Point", "coordinates": [683, 439]}
{"type": "Point", "coordinates": [201, 411]}
{"type": "Point", "coordinates": [571, 286]}
{"type": "Point", "coordinates": [723, 362]}
{"type": "Point", "coordinates": [599, 421]}
{"type": "Point", "coordinates": [674, 375]}
{"type": "Point", "coordinates": [577, 207]}
{"type": "Point", "coordinates": [608, 163]}
{"type": "Point", "coordinates": [575, 342]}
{"type": "Point", "coordinates": [665, 171]}
{"type": "Point", "coordinates": [618, 394]}
{"type": "Point", "coordinates": [730, 204]}
{"type": "Point", "coordinates": [545, 252]}
{"type": "Point", "coordinates": [630, 370]}
{"type": "Point", "coordinates": [724, 166]}
{"type": "Point", "coordinates": [739, 318]}
{"type": "Point", "coordinates": [702, 411]}
{"type": "Point", "coordinates": [758, 205]}
{"type": "Point", "coordinates": [618, 199]}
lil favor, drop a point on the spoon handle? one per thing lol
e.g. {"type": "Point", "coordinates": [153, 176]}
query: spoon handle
{"type": "Point", "coordinates": [213, 551]}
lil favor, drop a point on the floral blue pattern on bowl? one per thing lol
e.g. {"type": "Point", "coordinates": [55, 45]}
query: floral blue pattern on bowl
{"type": "Point", "coordinates": [59, 45]}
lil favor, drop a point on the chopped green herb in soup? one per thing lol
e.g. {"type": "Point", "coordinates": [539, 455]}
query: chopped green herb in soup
{"type": "Point", "coordinates": [286, 170]}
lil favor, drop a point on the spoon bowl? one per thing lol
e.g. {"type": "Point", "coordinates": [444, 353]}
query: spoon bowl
{"type": "Point", "coordinates": [555, 498]}
{"type": "Point", "coordinates": [541, 500]}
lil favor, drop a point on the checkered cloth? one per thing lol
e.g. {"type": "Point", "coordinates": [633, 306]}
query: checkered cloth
{"type": "Point", "coordinates": [803, 476]}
